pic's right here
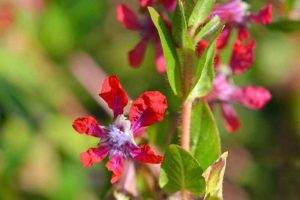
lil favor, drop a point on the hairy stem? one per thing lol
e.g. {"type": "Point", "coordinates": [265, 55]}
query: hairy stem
{"type": "Point", "coordinates": [186, 124]}
{"type": "Point", "coordinates": [187, 76]}
{"type": "Point", "coordinates": [186, 105]}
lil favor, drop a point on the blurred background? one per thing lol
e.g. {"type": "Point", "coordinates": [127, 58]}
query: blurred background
{"type": "Point", "coordinates": [53, 56]}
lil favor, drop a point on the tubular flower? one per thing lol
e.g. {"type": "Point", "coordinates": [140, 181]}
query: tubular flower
{"type": "Point", "coordinates": [148, 34]}
{"type": "Point", "coordinates": [117, 140]}
{"type": "Point", "coordinates": [170, 5]}
{"type": "Point", "coordinates": [235, 12]}
{"type": "Point", "coordinates": [225, 93]}
{"type": "Point", "coordinates": [242, 56]}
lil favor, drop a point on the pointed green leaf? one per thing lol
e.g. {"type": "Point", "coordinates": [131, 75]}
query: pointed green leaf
{"type": "Point", "coordinates": [214, 176]}
{"type": "Point", "coordinates": [205, 137]}
{"type": "Point", "coordinates": [179, 25]}
{"type": "Point", "coordinates": [285, 25]}
{"type": "Point", "coordinates": [189, 6]}
{"type": "Point", "coordinates": [170, 54]}
{"type": "Point", "coordinates": [200, 13]}
{"type": "Point", "coordinates": [180, 171]}
{"type": "Point", "coordinates": [210, 27]}
{"type": "Point", "coordinates": [205, 71]}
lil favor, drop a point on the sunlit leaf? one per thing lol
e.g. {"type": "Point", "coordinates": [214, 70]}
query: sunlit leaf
{"type": "Point", "coordinates": [214, 176]}
{"type": "Point", "coordinates": [208, 28]}
{"type": "Point", "coordinates": [171, 58]}
{"type": "Point", "coordinates": [205, 139]}
{"type": "Point", "coordinates": [200, 13]}
{"type": "Point", "coordinates": [180, 171]}
{"type": "Point", "coordinates": [179, 25]}
{"type": "Point", "coordinates": [205, 71]}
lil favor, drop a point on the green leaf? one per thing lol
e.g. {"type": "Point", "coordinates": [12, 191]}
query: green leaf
{"type": "Point", "coordinates": [210, 27]}
{"type": "Point", "coordinates": [181, 172]}
{"type": "Point", "coordinates": [285, 25]}
{"type": "Point", "coordinates": [214, 176]}
{"type": "Point", "coordinates": [205, 137]}
{"type": "Point", "coordinates": [170, 54]}
{"type": "Point", "coordinates": [189, 6]}
{"type": "Point", "coordinates": [205, 71]}
{"type": "Point", "coordinates": [180, 31]}
{"type": "Point", "coordinates": [200, 13]}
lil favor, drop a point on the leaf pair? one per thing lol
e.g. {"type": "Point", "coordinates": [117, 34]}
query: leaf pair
{"type": "Point", "coordinates": [181, 170]}
{"type": "Point", "coordinates": [205, 70]}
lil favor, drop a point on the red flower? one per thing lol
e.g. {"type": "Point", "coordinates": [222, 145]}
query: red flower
{"type": "Point", "coordinates": [242, 56]}
{"type": "Point", "coordinates": [225, 93]}
{"type": "Point", "coordinates": [117, 139]}
{"type": "Point", "coordinates": [148, 34]}
{"type": "Point", "coordinates": [235, 14]}
{"type": "Point", "coordinates": [264, 16]}
{"type": "Point", "coordinates": [170, 5]}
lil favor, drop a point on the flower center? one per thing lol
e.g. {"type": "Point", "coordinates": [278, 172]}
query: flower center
{"type": "Point", "coordinates": [120, 137]}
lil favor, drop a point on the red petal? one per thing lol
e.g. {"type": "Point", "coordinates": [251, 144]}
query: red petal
{"type": "Point", "coordinates": [145, 154]}
{"type": "Point", "coordinates": [264, 16]}
{"type": "Point", "coordinates": [242, 56]}
{"type": "Point", "coordinates": [136, 55]}
{"type": "Point", "coordinates": [200, 48]}
{"type": "Point", "coordinates": [253, 97]}
{"type": "Point", "coordinates": [223, 38]}
{"type": "Point", "coordinates": [88, 125]}
{"type": "Point", "coordinates": [126, 17]}
{"type": "Point", "coordinates": [160, 59]}
{"type": "Point", "coordinates": [146, 3]}
{"type": "Point", "coordinates": [115, 164]}
{"type": "Point", "coordinates": [147, 109]}
{"type": "Point", "coordinates": [169, 4]}
{"type": "Point", "coordinates": [243, 34]}
{"type": "Point", "coordinates": [114, 95]}
{"type": "Point", "coordinates": [232, 123]}
{"type": "Point", "coordinates": [93, 155]}
{"type": "Point", "coordinates": [217, 60]}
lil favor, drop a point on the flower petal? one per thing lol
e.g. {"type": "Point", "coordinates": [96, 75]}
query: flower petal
{"type": "Point", "coordinates": [264, 16]}
{"type": "Point", "coordinates": [145, 154]}
{"type": "Point", "coordinates": [232, 123]}
{"type": "Point", "coordinates": [93, 155]}
{"type": "Point", "coordinates": [243, 33]}
{"type": "Point", "coordinates": [223, 38]}
{"type": "Point", "coordinates": [147, 109]}
{"type": "Point", "coordinates": [127, 18]}
{"type": "Point", "coordinates": [253, 97]}
{"type": "Point", "coordinates": [115, 164]}
{"type": "Point", "coordinates": [200, 47]}
{"type": "Point", "coordinates": [136, 55]}
{"type": "Point", "coordinates": [242, 56]}
{"type": "Point", "coordinates": [146, 3]}
{"type": "Point", "coordinates": [170, 5]}
{"type": "Point", "coordinates": [160, 59]}
{"type": "Point", "coordinates": [114, 95]}
{"type": "Point", "coordinates": [89, 126]}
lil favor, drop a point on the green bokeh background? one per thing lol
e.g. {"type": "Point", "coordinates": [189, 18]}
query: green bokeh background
{"type": "Point", "coordinates": [40, 97]}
